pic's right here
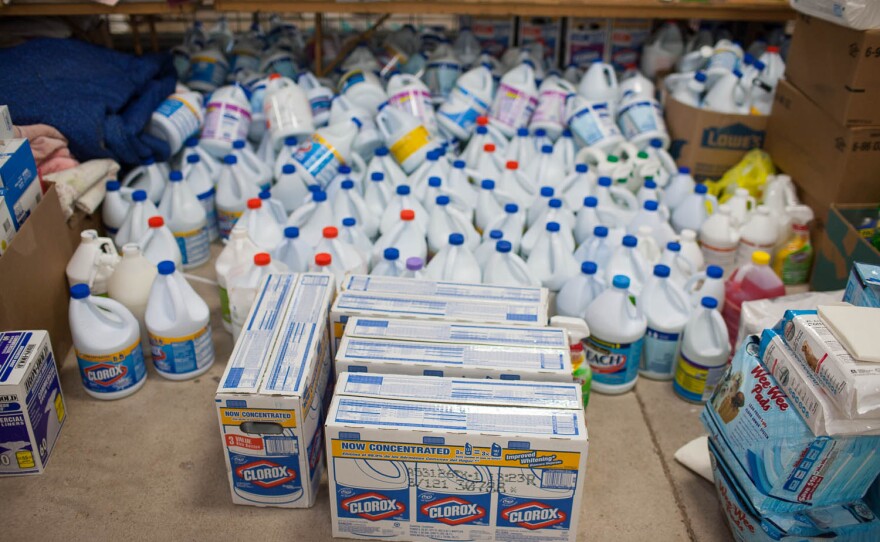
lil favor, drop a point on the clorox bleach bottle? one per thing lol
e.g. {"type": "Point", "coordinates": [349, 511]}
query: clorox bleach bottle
{"type": "Point", "coordinates": [207, 159]}
{"type": "Point", "coordinates": [406, 236]}
{"type": "Point", "coordinates": [650, 216]}
{"type": "Point", "coordinates": [617, 333]}
{"type": "Point", "coordinates": [148, 177]}
{"type": "Point", "coordinates": [469, 99]}
{"type": "Point", "coordinates": [760, 232]}
{"type": "Point", "coordinates": [240, 249]}
{"type": "Point", "coordinates": [384, 163]}
{"type": "Point", "coordinates": [596, 248]}
{"type": "Point", "coordinates": [505, 268]}
{"type": "Point", "coordinates": [312, 217]}
{"type": "Point", "coordinates": [92, 262]}
{"type": "Point", "coordinates": [179, 323]}
{"type": "Point", "coordinates": [626, 259]}
{"type": "Point", "coordinates": [284, 156]}
{"type": "Point", "coordinates": [130, 285]}
{"type": "Point", "coordinates": [489, 208]}
{"type": "Point", "coordinates": [254, 169]}
{"type": "Point", "coordinates": [114, 208]}
{"type": "Point", "coordinates": [705, 349]}
{"type": "Point", "coordinates": [107, 343]}
{"type": "Point", "coordinates": [578, 185]}
{"type": "Point", "coordinates": [276, 208]}
{"type": "Point", "coordinates": [556, 213]}
{"type": "Point", "coordinates": [198, 178]}
{"type": "Point", "coordinates": [487, 247]}
{"type": "Point", "coordinates": [347, 202]}
{"type": "Point", "coordinates": [667, 310]}
{"type": "Point", "coordinates": [445, 220]}
{"type": "Point", "coordinates": [345, 255]}
{"type": "Point", "coordinates": [293, 251]}
{"type": "Point", "coordinates": [551, 169]}
{"type": "Point", "coordinates": [261, 225]}
{"type": "Point", "coordinates": [706, 283]}
{"type": "Point", "coordinates": [319, 97]}
{"type": "Point", "coordinates": [409, 94]}
{"type": "Point", "coordinates": [515, 100]}
{"type": "Point", "coordinates": [551, 260]}
{"type": "Point", "coordinates": [320, 156]}
{"type": "Point", "coordinates": [579, 291]}
{"type": "Point", "coordinates": [550, 112]}
{"type": "Point", "coordinates": [233, 192]}
{"type": "Point", "coordinates": [390, 265]}
{"type": "Point", "coordinates": [592, 124]}
{"type": "Point", "coordinates": [457, 183]}
{"type": "Point", "coordinates": [352, 234]}
{"type": "Point", "coordinates": [586, 220]}
{"type": "Point", "coordinates": [244, 284]}
{"type": "Point", "coordinates": [521, 147]}
{"type": "Point", "coordinates": [692, 211]}
{"type": "Point", "coordinates": [681, 269]}
{"type": "Point", "coordinates": [187, 220]}
{"type": "Point", "coordinates": [728, 95]}
{"type": "Point", "coordinates": [408, 139]}
{"type": "Point", "coordinates": [719, 239]}
{"type": "Point", "coordinates": [158, 243]}
{"type": "Point", "coordinates": [454, 263]}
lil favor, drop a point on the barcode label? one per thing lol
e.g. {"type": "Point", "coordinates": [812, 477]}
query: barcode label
{"type": "Point", "coordinates": [559, 479]}
{"type": "Point", "coordinates": [280, 446]}
{"type": "Point", "coordinates": [7, 225]}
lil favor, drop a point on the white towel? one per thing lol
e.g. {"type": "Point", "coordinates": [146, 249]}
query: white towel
{"type": "Point", "coordinates": [695, 456]}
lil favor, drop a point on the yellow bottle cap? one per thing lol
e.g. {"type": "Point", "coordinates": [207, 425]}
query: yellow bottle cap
{"type": "Point", "coordinates": [759, 257]}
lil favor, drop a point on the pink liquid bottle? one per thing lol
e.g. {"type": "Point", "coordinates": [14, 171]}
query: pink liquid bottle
{"type": "Point", "coordinates": [751, 281]}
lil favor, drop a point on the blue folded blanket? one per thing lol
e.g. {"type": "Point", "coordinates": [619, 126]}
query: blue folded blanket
{"type": "Point", "coordinates": [100, 99]}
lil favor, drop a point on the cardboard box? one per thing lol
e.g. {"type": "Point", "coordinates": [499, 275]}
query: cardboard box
{"type": "Point", "coordinates": [447, 290]}
{"type": "Point", "coordinates": [7, 227]}
{"type": "Point", "coordinates": [32, 409]}
{"type": "Point", "coordinates": [33, 277]}
{"type": "Point", "coordinates": [710, 143]}
{"type": "Point", "coordinates": [7, 131]}
{"type": "Point", "coordinates": [543, 30]}
{"type": "Point", "coordinates": [838, 68]}
{"type": "Point", "coordinates": [449, 463]}
{"type": "Point", "coordinates": [841, 246]}
{"type": "Point", "coordinates": [585, 41]}
{"type": "Point", "coordinates": [272, 397]}
{"type": "Point", "coordinates": [19, 183]}
{"type": "Point", "coordinates": [495, 34]}
{"type": "Point", "coordinates": [863, 287]}
{"type": "Point", "coordinates": [831, 162]}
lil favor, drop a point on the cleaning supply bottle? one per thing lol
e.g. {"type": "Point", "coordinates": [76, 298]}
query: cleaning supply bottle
{"type": "Point", "coordinates": [408, 139]}
{"type": "Point", "coordinates": [347, 202]}
{"type": "Point", "coordinates": [198, 178]}
{"type": "Point", "coordinates": [455, 263]}
{"type": "Point", "coordinates": [650, 215]}
{"type": "Point", "coordinates": [728, 95]}
{"type": "Point", "coordinates": [293, 251]}
{"type": "Point", "coordinates": [515, 100]}
{"type": "Point", "coordinates": [385, 164]}
{"type": "Point", "coordinates": [403, 199]}
{"type": "Point", "coordinates": [551, 260]}
{"type": "Point", "coordinates": [596, 248]}
{"type": "Point", "coordinates": [406, 236]}
{"type": "Point", "coordinates": [290, 189]}
{"type": "Point", "coordinates": [410, 95]}
{"type": "Point", "coordinates": [719, 239]}
{"type": "Point", "coordinates": [187, 220]}
{"type": "Point", "coordinates": [690, 249]}
{"type": "Point", "coordinates": [751, 281]}
{"type": "Point", "coordinates": [555, 213]}
{"type": "Point", "coordinates": [227, 119]}
{"type": "Point", "coordinates": [693, 210]}
{"type": "Point", "coordinates": [323, 263]}
{"type": "Point", "coordinates": [577, 331]}
{"type": "Point", "coordinates": [468, 100]}
{"type": "Point", "coordinates": [135, 224]}
{"type": "Point", "coordinates": [255, 170]}
{"type": "Point", "coordinates": [287, 109]}
{"type": "Point", "coordinates": [233, 192]}
{"type": "Point", "coordinates": [627, 260]}
{"type": "Point", "coordinates": [445, 220]}
{"type": "Point", "coordinates": [681, 269]}
{"type": "Point", "coordinates": [378, 193]}
{"type": "Point", "coordinates": [578, 185]}
{"type": "Point", "coordinates": [794, 257]}
{"type": "Point", "coordinates": [487, 247]}
{"type": "Point", "coordinates": [505, 268]}
{"type": "Point", "coordinates": [740, 205]}
{"type": "Point", "coordinates": [346, 256]}
{"type": "Point", "coordinates": [319, 157]}
{"type": "Point", "coordinates": [513, 185]}
{"type": "Point", "coordinates": [679, 187]}
{"type": "Point", "coordinates": [191, 147]}
{"type": "Point", "coordinates": [130, 284]}
{"type": "Point", "coordinates": [239, 249]}
{"type": "Point", "coordinates": [579, 291]}
{"type": "Point", "coordinates": [550, 111]}
{"type": "Point", "coordinates": [114, 208]}
{"type": "Point", "coordinates": [354, 235]}
{"type": "Point", "coordinates": [586, 220]}
{"type": "Point", "coordinates": [489, 208]}
{"type": "Point", "coordinates": [159, 244]}
{"type": "Point", "coordinates": [312, 217]}
{"type": "Point", "coordinates": [390, 265]}
{"type": "Point", "coordinates": [284, 156]}
{"type": "Point", "coordinates": [616, 206]}
{"type": "Point", "coordinates": [708, 283]}
{"type": "Point", "coordinates": [179, 324]}
{"type": "Point", "coordinates": [692, 93]}
{"type": "Point", "coordinates": [148, 177]}
{"type": "Point", "coordinates": [261, 226]}
{"type": "Point", "coordinates": [648, 246]}
{"type": "Point", "coordinates": [667, 311]}
{"type": "Point", "coordinates": [276, 208]}
{"type": "Point", "coordinates": [511, 224]}
{"type": "Point", "coordinates": [92, 262]}
{"type": "Point", "coordinates": [705, 350]}
{"type": "Point", "coordinates": [107, 343]}
{"type": "Point", "coordinates": [617, 333]}
{"type": "Point", "coordinates": [760, 232]}
{"type": "Point", "coordinates": [244, 284]}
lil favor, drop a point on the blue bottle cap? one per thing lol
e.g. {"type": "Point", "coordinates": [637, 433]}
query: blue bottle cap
{"type": "Point", "coordinates": [175, 176]}
{"type": "Point", "coordinates": [589, 268]}
{"type": "Point", "coordinates": [555, 203]}
{"type": "Point", "coordinates": [166, 268]}
{"type": "Point", "coordinates": [661, 270]}
{"type": "Point", "coordinates": [620, 281]}
{"type": "Point", "coordinates": [139, 195]}
{"type": "Point", "coordinates": [149, 161]}
{"type": "Point", "coordinates": [487, 184]}
{"type": "Point", "coordinates": [503, 246]}
{"type": "Point", "coordinates": [511, 208]}
{"type": "Point", "coordinates": [456, 239]}
{"type": "Point", "coordinates": [391, 253]}
{"type": "Point", "coordinates": [434, 182]}
{"type": "Point", "coordinates": [291, 232]}
{"type": "Point", "coordinates": [590, 201]}
{"type": "Point", "coordinates": [673, 246]}
{"type": "Point", "coordinates": [459, 164]}
{"type": "Point", "coordinates": [113, 186]}
{"type": "Point", "coordinates": [657, 143]}
{"type": "Point", "coordinates": [193, 159]}
{"type": "Point", "coordinates": [319, 196]}
{"type": "Point", "coordinates": [600, 231]}
{"type": "Point", "coordinates": [651, 205]}
{"type": "Point", "coordinates": [290, 141]}
{"type": "Point", "coordinates": [522, 132]}
{"type": "Point", "coordinates": [382, 151]}
{"type": "Point", "coordinates": [630, 241]}
{"type": "Point", "coordinates": [709, 302]}
{"type": "Point", "coordinates": [230, 159]}
{"type": "Point", "coordinates": [344, 169]}
{"type": "Point", "coordinates": [482, 130]}
{"type": "Point", "coordinates": [80, 291]}
{"type": "Point", "coordinates": [684, 170]}
{"type": "Point", "coordinates": [403, 190]}
{"type": "Point", "coordinates": [547, 191]}
{"type": "Point", "coordinates": [288, 169]}
{"type": "Point", "coordinates": [442, 200]}
{"type": "Point", "coordinates": [347, 184]}
{"type": "Point", "coordinates": [547, 149]}
{"type": "Point", "coordinates": [238, 144]}
{"type": "Point", "coordinates": [604, 181]}
{"type": "Point", "coordinates": [496, 234]}
{"type": "Point", "coordinates": [377, 176]}
{"type": "Point", "coordinates": [192, 142]}
{"type": "Point", "coordinates": [701, 189]}
{"type": "Point", "coordinates": [265, 194]}
{"type": "Point", "coordinates": [553, 226]}
{"type": "Point", "coordinates": [566, 133]}
{"type": "Point", "coordinates": [540, 132]}
{"type": "Point", "coordinates": [714, 272]}
{"type": "Point", "coordinates": [349, 222]}
{"type": "Point", "coordinates": [700, 77]}
{"type": "Point", "coordinates": [581, 168]}
{"type": "Point", "coordinates": [649, 183]}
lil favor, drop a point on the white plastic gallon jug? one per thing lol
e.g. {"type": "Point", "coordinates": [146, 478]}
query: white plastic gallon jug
{"type": "Point", "coordinates": [650, 215]}
{"type": "Point", "coordinates": [626, 259]}
{"type": "Point", "coordinates": [597, 248]}
{"type": "Point", "coordinates": [244, 285]}
{"type": "Point", "coordinates": [760, 232]}
{"type": "Point", "coordinates": [679, 187]}
{"type": "Point", "coordinates": [690, 249]}
{"type": "Point", "coordinates": [586, 220]}
{"type": "Point", "coordinates": [148, 177]}
{"type": "Point", "coordinates": [320, 156]}
{"type": "Point", "coordinates": [550, 112]}
{"type": "Point", "coordinates": [705, 349]}
{"type": "Point", "coordinates": [511, 225]}
{"type": "Point", "coordinates": [92, 262]}
{"type": "Point", "coordinates": [515, 100]}
{"type": "Point", "coordinates": [728, 95]}
{"type": "Point", "coordinates": [257, 171]}
{"type": "Point", "coordinates": [681, 269]}
{"type": "Point", "coordinates": [158, 243]}
{"type": "Point", "coordinates": [198, 178]}
{"type": "Point", "coordinates": [740, 205]}
{"type": "Point", "coordinates": [708, 283]}
{"type": "Point", "coordinates": [377, 193]}
{"type": "Point", "coordinates": [290, 189]}
{"type": "Point", "coordinates": [130, 285]}
{"type": "Point", "coordinates": [208, 70]}
{"type": "Point", "coordinates": [135, 224]}
{"type": "Point", "coordinates": [617, 333]}
{"type": "Point", "coordinates": [550, 169]}
{"type": "Point", "coordinates": [207, 159]}
{"type": "Point", "coordinates": [579, 291]}
{"type": "Point", "coordinates": [487, 247]}
{"type": "Point", "coordinates": [178, 321]}
{"type": "Point", "coordinates": [287, 109]}
{"type": "Point", "coordinates": [505, 268]}
{"type": "Point", "coordinates": [616, 206]}
{"type": "Point", "coordinates": [240, 249]}
{"type": "Point", "coordinates": [592, 124]}
{"type": "Point", "coordinates": [578, 185]}
{"type": "Point", "coordinates": [261, 225]}
{"type": "Point", "coordinates": [667, 310]}
{"type": "Point", "coordinates": [634, 81]}
{"type": "Point", "coordinates": [408, 139]}
{"type": "Point", "coordinates": [390, 265]}
{"type": "Point", "coordinates": [107, 343]}
{"type": "Point", "coordinates": [455, 263]}
{"type": "Point", "coordinates": [233, 192]}
{"type": "Point", "coordinates": [446, 220]}
{"type": "Point", "coordinates": [312, 217]}
{"type": "Point", "coordinates": [469, 99]}
{"type": "Point", "coordinates": [177, 118]}
{"type": "Point", "coordinates": [489, 208]}
{"type": "Point", "coordinates": [347, 256]}
{"type": "Point", "coordinates": [691, 93]}
{"type": "Point", "coordinates": [406, 235]}
{"type": "Point", "coordinates": [362, 87]}
{"type": "Point", "coordinates": [383, 162]}
{"type": "Point", "coordinates": [663, 49]}
{"type": "Point", "coordinates": [348, 203]}
{"type": "Point", "coordinates": [114, 208]}
{"type": "Point", "coordinates": [354, 235]}
{"type": "Point", "coordinates": [294, 252]}
{"type": "Point", "coordinates": [693, 210]}
{"type": "Point", "coordinates": [514, 185]}
{"type": "Point", "coordinates": [551, 260]}
{"type": "Point", "coordinates": [187, 220]}
{"type": "Point", "coordinates": [410, 95]}
{"type": "Point", "coordinates": [276, 208]}
{"type": "Point", "coordinates": [319, 97]}
{"type": "Point", "coordinates": [555, 213]}
{"type": "Point", "coordinates": [719, 239]}
{"type": "Point", "coordinates": [227, 119]}
{"type": "Point", "coordinates": [403, 199]}
{"type": "Point", "coordinates": [641, 120]}
{"type": "Point", "coordinates": [599, 84]}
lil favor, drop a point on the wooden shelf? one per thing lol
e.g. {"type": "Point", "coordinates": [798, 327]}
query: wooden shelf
{"type": "Point", "coordinates": [93, 8]}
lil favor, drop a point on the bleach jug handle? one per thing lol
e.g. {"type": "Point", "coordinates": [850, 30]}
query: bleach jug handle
{"type": "Point", "coordinates": [714, 201]}
{"type": "Point", "coordinates": [106, 308]}
{"type": "Point", "coordinates": [691, 282]}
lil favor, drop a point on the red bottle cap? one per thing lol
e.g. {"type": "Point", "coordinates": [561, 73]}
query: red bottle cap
{"type": "Point", "coordinates": [156, 222]}
{"type": "Point", "coordinates": [254, 203]}
{"type": "Point", "coordinates": [330, 232]}
{"type": "Point", "coordinates": [262, 258]}
{"type": "Point", "coordinates": [407, 214]}
{"type": "Point", "coordinates": [323, 259]}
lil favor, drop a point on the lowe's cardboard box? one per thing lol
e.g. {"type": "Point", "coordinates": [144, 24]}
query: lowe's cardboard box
{"type": "Point", "coordinates": [425, 459]}
{"type": "Point", "coordinates": [838, 68]}
{"type": "Point", "coordinates": [708, 142]}
{"type": "Point", "coordinates": [272, 397]}
{"type": "Point", "coordinates": [831, 162]}
{"type": "Point", "coordinates": [32, 409]}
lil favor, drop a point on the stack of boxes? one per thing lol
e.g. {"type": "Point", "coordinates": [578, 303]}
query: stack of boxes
{"type": "Point", "coordinates": [19, 183]}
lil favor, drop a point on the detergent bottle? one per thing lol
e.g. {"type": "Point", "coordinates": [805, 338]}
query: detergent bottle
{"type": "Point", "coordinates": [261, 225]}
{"type": "Point", "coordinates": [92, 262]}
{"type": "Point", "coordinates": [794, 257]}
{"type": "Point", "coordinates": [681, 269]}
{"type": "Point", "coordinates": [586, 220]}
{"type": "Point", "coordinates": [408, 139]}
{"type": "Point", "coordinates": [114, 208]}
{"type": "Point", "coordinates": [233, 192]}
{"type": "Point", "coordinates": [406, 235]}
{"type": "Point", "coordinates": [454, 263]}
{"type": "Point", "coordinates": [550, 112]}
{"type": "Point", "coordinates": [719, 239]}
{"type": "Point", "coordinates": [468, 100]}
{"type": "Point", "coordinates": [106, 340]}
{"type": "Point", "coordinates": [294, 251]}
{"type": "Point", "coordinates": [692, 93]}
{"type": "Point", "coordinates": [626, 259]}
{"type": "Point", "coordinates": [354, 235]}
{"type": "Point", "coordinates": [596, 248]}
{"type": "Point", "coordinates": [403, 200]}
{"type": "Point", "coordinates": [446, 220]}
{"type": "Point", "coordinates": [158, 243]}
{"type": "Point", "coordinates": [239, 250]}
{"type": "Point", "coordinates": [148, 177]}
{"type": "Point", "coordinates": [187, 220]}
{"type": "Point", "coordinates": [255, 170]}
{"type": "Point", "coordinates": [199, 180]}
{"type": "Point", "coordinates": [705, 350]}
{"type": "Point", "coordinates": [515, 100]}
{"type": "Point", "coordinates": [312, 217]}
{"type": "Point", "coordinates": [578, 185]}
{"type": "Point", "coordinates": [617, 333]}
{"type": "Point", "coordinates": [487, 247]}
{"type": "Point", "coordinates": [130, 285]}
{"type": "Point", "coordinates": [750, 281]}
{"type": "Point", "coordinates": [579, 291]}
{"type": "Point", "coordinates": [667, 311]}
{"type": "Point", "coordinates": [706, 283]}
{"type": "Point", "coordinates": [650, 215]}
{"type": "Point", "coordinates": [320, 156]}
{"type": "Point", "coordinates": [276, 208]}
{"type": "Point", "coordinates": [346, 256]}
{"type": "Point", "coordinates": [760, 232]}
{"type": "Point", "coordinates": [390, 265]}
{"type": "Point", "coordinates": [227, 119]}
{"type": "Point", "coordinates": [348, 203]}
{"type": "Point", "coordinates": [551, 259]}
{"type": "Point", "coordinates": [178, 321]}
{"type": "Point", "coordinates": [692, 211]}
{"type": "Point", "coordinates": [244, 284]}
{"type": "Point", "coordinates": [505, 268]}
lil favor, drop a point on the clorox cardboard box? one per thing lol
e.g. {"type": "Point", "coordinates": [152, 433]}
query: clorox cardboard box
{"type": "Point", "coordinates": [32, 409]}
{"type": "Point", "coordinates": [425, 459]}
{"type": "Point", "coordinates": [271, 400]}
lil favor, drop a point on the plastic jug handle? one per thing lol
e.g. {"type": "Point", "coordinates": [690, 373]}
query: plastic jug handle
{"type": "Point", "coordinates": [358, 166]}
{"type": "Point", "coordinates": [751, 203]}
{"type": "Point", "coordinates": [714, 201]}
{"type": "Point", "coordinates": [176, 295]}
{"type": "Point", "coordinates": [691, 282]}
{"type": "Point", "coordinates": [690, 265]}
{"type": "Point", "coordinates": [107, 307]}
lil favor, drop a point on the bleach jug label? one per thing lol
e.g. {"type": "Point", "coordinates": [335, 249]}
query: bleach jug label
{"type": "Point", "coordinates": [512, 107]}
{"type": "Point", "coordinates": [350, 79]}
{"type": "Point", "coordinates": [660, 352]}
{"type": "Point", "coordinates": [181, 355]}
{"type": "Point", "coordinates": [467, 118]}
{"type": "Point", "coordinates": [551, 107]}
{"type": "Point", "coordinates": [587, 126]}
{"type": "Point", "coordinates": [641, 117]}
{"type": "Point", "coordinates": [226, 122]}
{"type": "Point", "coordinates": [207, 70]}
{"type": "Point", "coordinates": [226, 220]}
{"type": "Point", "coordinates": [612, 363]}
{"type": "Point", "coordinates": [414, 102]}
{"type": "Point", "coordinates": [195, 247]}
{"type": "Point", "coordinates": [695, 382]}
{"type": "Point", "coordinates": [207, 200]}
{"type": "Point", "coordinates": [112, 372]}
{"type": "Point", "coordinates": [184, 116]}
{"type": "Point", "coordinates": [410, 143]}
{"type": "Point", "coordinates": [319, 158]}
{"type": "Point", "coordinates": [320, 105]}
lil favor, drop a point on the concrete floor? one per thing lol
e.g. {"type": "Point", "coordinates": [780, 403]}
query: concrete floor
{"type": "Point", "coordinates": [151, 467]}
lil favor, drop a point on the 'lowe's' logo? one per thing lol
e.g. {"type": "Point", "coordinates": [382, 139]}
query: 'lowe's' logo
{"type": "Point", "coordinates": [373, 506]}
{"type": "Point", "coordinates": [265, 473]}
{"type": "Point", "coordinates": [453, 511]}
{"type": "Point", "coordinates": [533, 515]}
{"type": "Point", "coordinates": [106, 374]}
{"type": "Point", "coordinates": [736, 137]}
